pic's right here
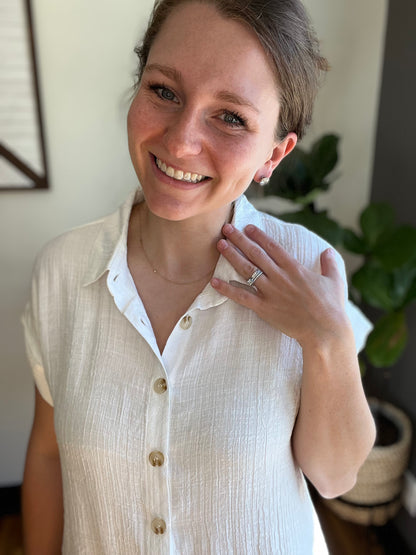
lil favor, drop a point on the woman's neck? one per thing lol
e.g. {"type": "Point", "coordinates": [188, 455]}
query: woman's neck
{"type": "Point", "coordinates": [184, 251]}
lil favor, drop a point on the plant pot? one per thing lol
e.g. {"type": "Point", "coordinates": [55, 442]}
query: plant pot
{"type": "Point", "coordinates": [376, 497]}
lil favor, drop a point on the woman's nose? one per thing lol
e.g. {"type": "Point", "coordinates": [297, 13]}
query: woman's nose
{"type": "Point", "coordinates": [184, 136]}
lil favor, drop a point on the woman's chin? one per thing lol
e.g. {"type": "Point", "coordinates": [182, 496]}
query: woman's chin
{"type": "Point", "coordinates": [168, 208]}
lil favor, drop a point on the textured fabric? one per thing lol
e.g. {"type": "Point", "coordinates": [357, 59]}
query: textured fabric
{"type": "Point", "coordinates": [228, 483]}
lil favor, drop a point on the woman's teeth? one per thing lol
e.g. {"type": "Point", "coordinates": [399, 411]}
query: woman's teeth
{"type": "Point", "coordinates": [179, 174]}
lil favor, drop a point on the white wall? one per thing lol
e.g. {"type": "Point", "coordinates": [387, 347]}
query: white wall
{"type": "Point", "coordinates": [352, 34]}
{"type": "Point", "coordinates": [86, 67]}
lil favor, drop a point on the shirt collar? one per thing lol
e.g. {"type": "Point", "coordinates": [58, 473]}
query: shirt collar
{"type": "Point", "coordinates": [111, 239]}
{"type": "Point", "coordinates": [111, 244]}
{"type": "Point", "coordinates": [244, 214]}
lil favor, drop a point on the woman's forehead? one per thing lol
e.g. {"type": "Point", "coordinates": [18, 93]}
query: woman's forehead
{"type": "Point", "coordinates": [198, 42]}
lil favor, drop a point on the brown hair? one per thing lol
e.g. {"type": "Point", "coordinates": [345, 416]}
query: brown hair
{"type": "Point", "coordinates": [284, 29]}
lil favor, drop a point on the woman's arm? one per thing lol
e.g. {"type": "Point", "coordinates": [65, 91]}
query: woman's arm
{"type": "Point", "coordinates": [42, 504]}
{"type": "Point", "coordinates": [334, 431]}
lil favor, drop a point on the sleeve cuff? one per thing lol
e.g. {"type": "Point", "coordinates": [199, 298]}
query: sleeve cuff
{"type": "Point", "coordinates": [361, 325]}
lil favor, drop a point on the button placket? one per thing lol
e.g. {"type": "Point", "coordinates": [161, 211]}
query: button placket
{"type": "Point", "coordinates": [157, 464]}
{"type": "Point", "coordinates": [157, 460]}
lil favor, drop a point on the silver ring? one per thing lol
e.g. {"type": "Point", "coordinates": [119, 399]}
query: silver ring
{"type": "Point", "coordinates": [254, 276]}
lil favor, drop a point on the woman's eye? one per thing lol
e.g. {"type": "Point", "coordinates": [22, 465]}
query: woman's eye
{"type": "Point", "coordinates": [164, 93]}
{"type": "Point", "coordinates": [233, 119]}
{"type": "Point", "coordinates": [167, 94]}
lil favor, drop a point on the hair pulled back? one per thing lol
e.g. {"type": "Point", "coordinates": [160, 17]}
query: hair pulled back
{"type": "Point", "coordinates": [284, 29]}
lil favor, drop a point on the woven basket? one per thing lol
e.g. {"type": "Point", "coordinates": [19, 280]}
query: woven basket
{"type": "Point", "coordinates": [376, 497]}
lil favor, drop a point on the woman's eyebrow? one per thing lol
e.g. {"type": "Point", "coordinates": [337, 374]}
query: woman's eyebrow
{"type": "Point", "coordinates": [170, 72]}
{"type": "Point", "coordinates": [226, 96]}
{"type": "Point", "coordinates": [233, 98]}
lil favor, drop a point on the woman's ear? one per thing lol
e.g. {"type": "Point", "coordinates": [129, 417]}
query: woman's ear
{"type": "Point", "coordinates": [280, 150]}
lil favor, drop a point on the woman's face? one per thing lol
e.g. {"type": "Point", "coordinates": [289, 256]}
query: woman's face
{"type": "Point", "coordinates": [202, 124]}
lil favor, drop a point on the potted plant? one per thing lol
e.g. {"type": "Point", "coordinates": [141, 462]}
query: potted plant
{"type": "Point", "coordinates": [384, 285]}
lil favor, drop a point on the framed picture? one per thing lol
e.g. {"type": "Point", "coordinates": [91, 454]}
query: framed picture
{"type": "Point", "coordinates": [22, 141]}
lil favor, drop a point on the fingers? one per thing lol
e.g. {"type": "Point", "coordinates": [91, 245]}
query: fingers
{"type": "Point", "coordinates": [244, 253]}
{"type": "Point", "coordinates": [244, 267]}
{"type": "Point", "coordinates": [238, 292]}
{"type": "Point", "coordinates": [330, 270]}
{"type": "Point", "coordinates": [258, 247]}
{"type": "Point", "coordinates": [289, 296]}
{"type": "Point", "coordinates": [329, 267]}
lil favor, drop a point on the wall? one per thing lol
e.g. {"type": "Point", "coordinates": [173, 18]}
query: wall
{"type": "Point", "coordinates": [84, 53]}
{"type": "Point", "coordinates": [394, 182]}
{"type": "Point", "coordinates": [352, 38]}
{"type": "Point", "coordinates": [86, 63]}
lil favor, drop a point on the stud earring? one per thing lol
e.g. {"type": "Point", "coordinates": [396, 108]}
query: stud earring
{"type": "Point", "coordinates": [264, 181]}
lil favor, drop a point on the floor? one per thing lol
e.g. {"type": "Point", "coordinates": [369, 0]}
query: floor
{"type": "Point", "coordinates": [343, 538]}
{"type": "Point", "coordinates": [11, 535]}
{"type": "Point", "coordinates": [346, 538]}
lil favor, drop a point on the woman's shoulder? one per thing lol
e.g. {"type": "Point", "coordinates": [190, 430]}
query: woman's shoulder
{"type": "Point", "coordinates": [302, 243]}
{"type": "Point", "coordinates": [73, 245]}
{"type": "Point", "coordinates": [87, 244]}
{"type": "Point", "coordinates": [295, 236]}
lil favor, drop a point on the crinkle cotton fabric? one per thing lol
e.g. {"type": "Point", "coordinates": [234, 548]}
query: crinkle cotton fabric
{"type": "Point", "coordinates": [227, 482]}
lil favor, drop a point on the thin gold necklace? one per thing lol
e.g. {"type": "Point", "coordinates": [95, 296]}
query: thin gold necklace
{"type": "Point", "coordinates": [157, 272]}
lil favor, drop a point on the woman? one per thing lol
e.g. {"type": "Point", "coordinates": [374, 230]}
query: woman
{"type": "Point", "coordinates": [194, 357]}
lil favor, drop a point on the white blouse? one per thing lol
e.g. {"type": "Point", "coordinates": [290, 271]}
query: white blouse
{"type": "Point", "coordinates": [182, 452]}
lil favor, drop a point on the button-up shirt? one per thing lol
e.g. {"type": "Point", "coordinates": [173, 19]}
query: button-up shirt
{"type": "Point", "coordinates": [187, 451]}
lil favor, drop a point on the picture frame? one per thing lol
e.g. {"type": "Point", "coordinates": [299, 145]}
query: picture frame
{"type": "Point", "coordinates": [23, 163]}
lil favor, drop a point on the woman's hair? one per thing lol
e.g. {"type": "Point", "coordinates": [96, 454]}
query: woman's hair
{"type": "Point", "coordinates": [284, 29]}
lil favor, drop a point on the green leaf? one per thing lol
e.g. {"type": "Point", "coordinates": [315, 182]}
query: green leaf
{"type": "Point", "coordinates": [353, 243]}
{"type": "Point", "coordinates": [375, 286]}
{"type": "Point", "coordinates": [388, 340]}
{"type": "Point", "coordinates": [301, 175]}
{"type": "Point", "coordinates": [404, 284]}
{"type": "Point", "coordinates": [323, 158]}
{"type": "Point", "coordinates": [318, 222]}
{"type": "Point", "coordinates": [398, 248]}
{"type": "Point", "coordinates": [411, 294]}
{"type": "Point", "coordinates": [376, 220]}
{"type": "Point", "coordinates": [309, 198]}
{"type": "Point", "coordinates": [291, 178]}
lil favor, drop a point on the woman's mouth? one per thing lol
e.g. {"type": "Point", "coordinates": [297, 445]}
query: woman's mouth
{"type": "Point", "coordinates": [179, 175]}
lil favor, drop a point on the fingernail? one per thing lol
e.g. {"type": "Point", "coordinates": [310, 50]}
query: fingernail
{"type": "Point", "coordinates": [227, 229]}
{"type": "Point", "coordinates": [222, 244]}
{"type": "Point", "coordinates": [215, 282]}
{"type": "Point", "coordinates": [250, 228]}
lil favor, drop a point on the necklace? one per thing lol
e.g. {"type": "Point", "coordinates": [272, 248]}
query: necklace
{"type": "Point", "coordinates": [157, 272]}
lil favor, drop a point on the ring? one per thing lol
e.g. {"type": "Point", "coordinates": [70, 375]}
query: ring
{"type": "Point", "coordinates": [254, 276]}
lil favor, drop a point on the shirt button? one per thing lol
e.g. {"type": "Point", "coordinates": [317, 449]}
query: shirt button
{"type": "Point", "coordinates": [160, 385]}
{"type": "Point", "coordinates": [186, 322]}
{"type": "Point", "coordinates": [156, 458]}
{"type": "Point", "coordinates": [158, 526]}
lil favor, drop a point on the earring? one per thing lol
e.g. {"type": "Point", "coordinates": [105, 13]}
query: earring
{"type": "Point", "coordinates": [264, 181]}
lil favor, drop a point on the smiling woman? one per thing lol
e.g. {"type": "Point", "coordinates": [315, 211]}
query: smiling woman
{"type": "Point", "coordinates": [187, 120]}
{"type": "Point", "coordinates": [194, 357]}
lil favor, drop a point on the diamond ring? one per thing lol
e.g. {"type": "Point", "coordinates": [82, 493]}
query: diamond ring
{"type": "Point", "coordinates": [254, 276]}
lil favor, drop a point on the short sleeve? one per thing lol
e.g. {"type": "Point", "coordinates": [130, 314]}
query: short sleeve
{"type": "Point", "coordinates": [33, 352]}
{"type": "Point", "coordinates": [361, 325]}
